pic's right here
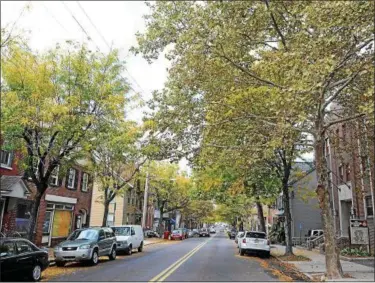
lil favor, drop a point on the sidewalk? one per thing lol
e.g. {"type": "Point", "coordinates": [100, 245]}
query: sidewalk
{"type": "Point", "coordinates": [316, 266]}
{"type": "Point", "coordinates": [147, 242]}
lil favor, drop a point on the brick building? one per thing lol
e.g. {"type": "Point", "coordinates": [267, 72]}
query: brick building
{"type": "Point", "coordinates": [64, 207]}
{"type": "Point", "coordinates": [350, 153]}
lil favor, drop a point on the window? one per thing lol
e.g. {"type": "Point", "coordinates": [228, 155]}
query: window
{"type": "Point", "coordinates": [24, 247]}
{"type": "Point", "coordinates": [47, 222]}
{"type": "Point", "coordinates": [255, 235]}
{"type": "Point", "coordinates": [133, 201]}
{"type": "Point", "coordinates": [71, 178]}
{"type": "Point", "coordinates": [85, 181]}
{"type": "Point", "coordinates": [369, 208]}
{"type": "Point", "coordinates": [347, 171]}
{"type": "Point", "coordinates": [341, 174]}
{"type": "Point", "coordinates": [128, 200]}
{"type": "Point", "coordinates": [110, 219]}
{"type": "Point", "coordinates": [7, 249]}
{"type": "Point", "coordinates": [327, 147]}
{"type": "Point", "coordinates": [101, 234]}
{"type": "Point", "coordinates": [55, 176]}
{"type": "Point", "coordinates": [6, 158]}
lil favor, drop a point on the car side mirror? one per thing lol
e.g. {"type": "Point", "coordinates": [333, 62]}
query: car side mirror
{"type": "Point", "coordinates": [101, 238]}
{"type": "Point", "coordinates": [133, 233]}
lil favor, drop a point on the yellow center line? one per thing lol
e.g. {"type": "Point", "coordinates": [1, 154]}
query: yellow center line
{"type": "Point", "coordinates": [168, 271]}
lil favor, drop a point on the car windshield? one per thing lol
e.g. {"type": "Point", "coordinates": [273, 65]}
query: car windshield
{"type": "Point", "coordinates": [88, 234]}
{"type": "Point", "coordinates": [176, 232]}
{"type": "Point", "coordinates": [255, 235]}
{"type": "Point", "coordinates": [122, 231]}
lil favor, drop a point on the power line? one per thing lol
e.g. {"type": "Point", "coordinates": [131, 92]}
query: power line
{"type": "Point", "coordinates": [105, 41]}
{"type": "Point", "coordinates": [79, 24]}
{"type": "Point", "coordinates": [53, 16]}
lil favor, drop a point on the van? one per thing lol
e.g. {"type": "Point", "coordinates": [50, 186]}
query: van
{"type": "Point", "coordinates": [129, 237]}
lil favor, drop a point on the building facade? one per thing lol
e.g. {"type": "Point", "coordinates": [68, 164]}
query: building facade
{"type": "Point", "coordinates": [64, 207]}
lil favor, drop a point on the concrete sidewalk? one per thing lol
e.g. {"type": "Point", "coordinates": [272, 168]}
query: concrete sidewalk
{"type": "Point", "coordinates": [316, 266]}
{"type": "Point", "coordinates": [147, 242]}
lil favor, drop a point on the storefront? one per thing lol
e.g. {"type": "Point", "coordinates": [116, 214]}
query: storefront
{"type": "Point", "coordinates": [58, 219]}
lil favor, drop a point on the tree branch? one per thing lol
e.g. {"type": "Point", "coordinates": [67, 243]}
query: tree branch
{"type": "Point", "coordinates": [275, 25]}
{"type": "Point", "coordinates": [342, 120]}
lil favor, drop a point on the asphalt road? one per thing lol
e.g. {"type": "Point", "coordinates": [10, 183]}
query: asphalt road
{"type": "Point", "coordinates": [195, 259]}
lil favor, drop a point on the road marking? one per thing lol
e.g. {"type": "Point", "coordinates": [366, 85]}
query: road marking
{"type": "Point", "coordinates": [168, 271]}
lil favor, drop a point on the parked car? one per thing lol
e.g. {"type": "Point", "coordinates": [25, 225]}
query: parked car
{"type": "Point", "coordinates": [185, 233]}
{"type": "Point", "coordinates": [314, 233]}
{"type": "Point", "coordinates": [19, 257]}
{"type": "Point", "coordinates": [204, 232]}
{"type": "Point", "coordinates": [239, 236]}
{"type": "Point", "coordinates": [212, 230]}
{"type": "Point", "coordinates": [87, 245]}
{"type": "Point", "coordinates": [232, 234]}
{"type": "Point", "coordinates": [254, 242]}
{"type": "Point", "coordinates": [151, 234]}
{"type": "Point", "coordinates": [129, 237]}
{"type": "Point", "coordinates": [177, 234]}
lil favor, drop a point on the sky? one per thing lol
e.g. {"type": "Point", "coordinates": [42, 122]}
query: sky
{"type": "Point", "coordinates": [52, 22]}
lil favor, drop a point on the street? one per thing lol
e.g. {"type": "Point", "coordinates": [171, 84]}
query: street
{"type": "Point", "coordinates": [195, 259]}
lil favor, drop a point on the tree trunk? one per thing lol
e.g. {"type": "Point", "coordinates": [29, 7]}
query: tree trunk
{"type": "Point", "coordinates": [105, 215]}
{"type": "Point", "coordinates": [34, 214]}
{"type": "Point", "coordinates": [161, 218]}
{"type": "Point", "coordinates": [261, 217]}
{"type": "Point", "coordinates": [333, 265]}
{"type": "Point", "coordinates": [288, 220]}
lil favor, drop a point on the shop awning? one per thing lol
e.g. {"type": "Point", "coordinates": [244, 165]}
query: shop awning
{"type": "Point", "coordinates": [13, 186]}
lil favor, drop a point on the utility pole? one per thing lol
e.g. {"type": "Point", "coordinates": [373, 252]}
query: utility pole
{"type": "Point", "coordinates": [145, 202]}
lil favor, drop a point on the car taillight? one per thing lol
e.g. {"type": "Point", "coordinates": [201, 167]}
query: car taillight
{"type": "Point", "coordinates": [268, 242]}
{"type": "Point", "coordinates": [244, 241]}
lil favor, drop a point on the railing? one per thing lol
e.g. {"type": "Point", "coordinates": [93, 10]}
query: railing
{"type": "Point", "coordinates": [315, 242]}
{"type": "Point", "coordinates": [299, 241]}
{"type": "Point", "coordinates": [13, 234]}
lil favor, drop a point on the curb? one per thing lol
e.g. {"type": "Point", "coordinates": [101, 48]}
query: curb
{"type": "Point", "coordinates": [295, 268]}
{"type": "Point", "coordinates": [356, 258]}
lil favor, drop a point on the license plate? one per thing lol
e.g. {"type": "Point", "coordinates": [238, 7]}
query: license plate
{"type": "Point", "coordinates": [256, 241]}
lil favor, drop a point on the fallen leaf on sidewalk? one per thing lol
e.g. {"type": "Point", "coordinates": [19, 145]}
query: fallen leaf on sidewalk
{"type": "Point", "coordinates": [293, 258]}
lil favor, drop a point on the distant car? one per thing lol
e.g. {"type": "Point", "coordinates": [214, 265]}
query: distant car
{"type": "Point", "coordinates": [129, 237]}
{"type": "Point", "coordinates": [212, 230]}
{"type": "Point", "coordinates": [232, 234]}
{"type": "Point", "coordinates": [204, 232]}
{"type": "Point", "coordinates": [151, 234]}
{"type": "Point", "coordinates": [254, 242]}
{"type": "Point", "coordinates": [177, 234]}
{"type": "Point", "coordinates": [19, 257]}
{"type": "Point", "coordinates": [238, 237]}
{"type": "Point", "coordinates": [87, 245]}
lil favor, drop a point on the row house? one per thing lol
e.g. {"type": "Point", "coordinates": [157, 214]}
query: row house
{"type": "Point", "coordinates": [349, 155]}
{"type": "Point", "coordinates": [64, 207]}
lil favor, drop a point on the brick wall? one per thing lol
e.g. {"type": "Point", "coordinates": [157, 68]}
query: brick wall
{"type": "Point", "coordinates": [16, 169]}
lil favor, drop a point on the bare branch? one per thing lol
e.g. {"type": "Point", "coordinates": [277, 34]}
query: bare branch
{"type": "Point", "coordinates": [276, 25]}
{"type": "Point", "coordinates": [342, 120]}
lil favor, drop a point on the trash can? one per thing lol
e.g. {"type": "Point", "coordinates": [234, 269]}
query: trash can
{"type": "Point", "coordinates": [166, 235]}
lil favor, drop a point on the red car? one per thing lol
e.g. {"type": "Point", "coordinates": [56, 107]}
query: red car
{"type": "Point", "coordinates": [177, 234]}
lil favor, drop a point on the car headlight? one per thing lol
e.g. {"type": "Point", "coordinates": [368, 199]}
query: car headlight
{"type": "Point", "coordinates": [123, 243]}
{"type": "Point", "coordinates": [57, 248]}
{"type": "Point", "coordinates": [84, 247]}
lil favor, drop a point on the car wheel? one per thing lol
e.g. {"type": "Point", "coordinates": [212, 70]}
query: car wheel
{"type": "Point", "coordinates": [94, 258]}
{"type": "Point", "coordinates": [129, 251]}
{"type": "Point", "coordinates": [112, 255]}
{"type": "Point", "coordinates": [36, 273]}
{"type": "Point", "coordinates": [140, 248]}
{"type": "Point", "coordinates": [60, 263]}
{"type": "Point", "coordinates": [242, 252]}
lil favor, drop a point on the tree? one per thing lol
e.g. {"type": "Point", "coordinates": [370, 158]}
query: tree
{"type": "Point", "coordinates": [60, 98]}
{"type": "Point", "coordinates": [170, 189]}
{"type": "Point", "coordinates": [116, 160]}
{"type": "Point", "coordinates": [301, 57]}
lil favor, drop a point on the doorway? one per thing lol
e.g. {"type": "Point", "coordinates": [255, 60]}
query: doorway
{"type": "Point", "coordinates": [346, 206]}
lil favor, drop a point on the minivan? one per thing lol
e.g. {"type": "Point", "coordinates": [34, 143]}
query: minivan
{"type": "Point", "coordinates": [129, 237]}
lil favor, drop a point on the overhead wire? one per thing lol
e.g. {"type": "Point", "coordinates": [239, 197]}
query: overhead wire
{"type": "Point", "coordinates": [105, 41]}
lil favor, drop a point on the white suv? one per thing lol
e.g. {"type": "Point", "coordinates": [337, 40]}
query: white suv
{"type": "Point", "coordinates": [254, 242]}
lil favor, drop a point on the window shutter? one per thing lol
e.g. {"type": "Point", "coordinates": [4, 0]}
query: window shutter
{"type": "Point", "coordinates": [90, 182]}
{"type": "Point", "coordinates": [81, 181]}
{"type": "Point", "coordinates": [11, 157]}
{"type": "Point", "coordinates": [67, 178]}
{"type": "Point", "coordinates": [60, 178]}
{"type": "Point", "coordinates": [76, 176]}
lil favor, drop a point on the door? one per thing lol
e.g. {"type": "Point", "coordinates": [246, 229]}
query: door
{"type": "Point", "coordinates": [102, 243]}
{"type": "Point", "coordinates": [8, 259]}
{"type": "Point", "coordinates": [135, 237]}
{"type": "Point", "coordinates": [109, 240]}
{"type": "Point", "coordinates": [25, 254]}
